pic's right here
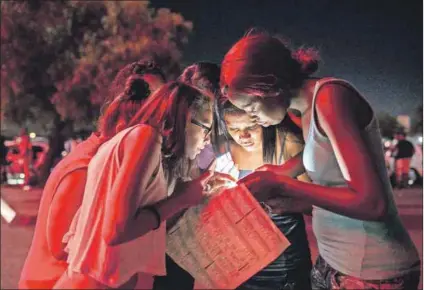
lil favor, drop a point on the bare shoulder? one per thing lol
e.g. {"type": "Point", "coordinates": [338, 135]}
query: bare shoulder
{"type": "Point", "coordinates": [336, 96]}
{"type": "Point", "coordinates": [141, 130]}
{"type": "Point", "coordinates": [140, 136]}
{"type": "Point", "coordinates": [293, 144]}
{"type": "Point", "coordinates": [339, 103]}
{"type": "Point", "coordinates": [293, 138]}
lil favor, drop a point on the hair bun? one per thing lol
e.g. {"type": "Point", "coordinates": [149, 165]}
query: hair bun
{"type": "Point", "coordinates": [308, 59]}
{"type": "Point", "coordinates": [136, 88]}
{"type": "Point", "coordinates": [139, 68]}
{"type": "Point", "coordinates": [142, 67]}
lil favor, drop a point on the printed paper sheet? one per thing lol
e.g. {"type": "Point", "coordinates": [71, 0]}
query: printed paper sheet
{"type": "Point", "coordinates": [226, 241]}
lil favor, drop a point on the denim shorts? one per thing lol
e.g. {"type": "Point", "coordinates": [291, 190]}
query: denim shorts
{"type": "Point", "coordinates": [323, 276]}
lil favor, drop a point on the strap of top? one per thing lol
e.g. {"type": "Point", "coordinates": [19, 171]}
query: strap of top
{"type": "Point", "coordinates": [283, 150]}
{"type": "Point", "coordinates": [318, 85]}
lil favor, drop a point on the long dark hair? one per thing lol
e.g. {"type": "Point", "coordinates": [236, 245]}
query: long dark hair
{"type": "Point", "coordinates": [284, 128]}
{"type": "Point", "coordinates": [269, 134]}
{"type": "Point", "coordinates": [168, 110]}
{"type": "Point", "coordinates": [204, 76]}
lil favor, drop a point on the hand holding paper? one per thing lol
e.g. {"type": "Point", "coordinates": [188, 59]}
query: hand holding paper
{"type": "Point", "coordinates": [263, 185]}
{"type": "Point", "coordinates": [226, 241]}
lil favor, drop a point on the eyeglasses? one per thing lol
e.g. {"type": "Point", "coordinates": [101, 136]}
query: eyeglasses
{"type": "Point", "coordinates": [206, 130]}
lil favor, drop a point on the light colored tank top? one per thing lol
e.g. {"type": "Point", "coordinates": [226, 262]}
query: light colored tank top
{"type": "Point", "coordinates": [368, 250]}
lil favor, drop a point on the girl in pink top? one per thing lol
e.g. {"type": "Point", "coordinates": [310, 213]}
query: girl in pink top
{"type": "Point", "coordinates": [63, 192]}
{"type": "Point", "coordinates": [136, 181]}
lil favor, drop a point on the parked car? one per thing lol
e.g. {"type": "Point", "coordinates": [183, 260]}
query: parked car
{"type": "Point", "coordinates": [14, 169]}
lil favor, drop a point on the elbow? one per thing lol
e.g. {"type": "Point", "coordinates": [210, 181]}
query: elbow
{"type": "Point", "coordinates": [115, 225]}
{"type": "Point", "coordinates": [56, 246]}
{"type": "Point", "coordinates": [112, 238]}
{"type": "Point", "coordinates": [373, 210]}
{"type": "Point", "coordinates": [380, 209]}
{"type": "Point", "coordinates": [113, 235]}
{"type": "Point", "coordinates": [58, 252]}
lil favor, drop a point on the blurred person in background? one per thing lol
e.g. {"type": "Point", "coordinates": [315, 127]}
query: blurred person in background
{"type": "Point", "coordinates": [402, 152]}
{"type": "Point", "coordinates": [25, 151]}
{"type": "Point", "coordinates": [63, 192]}
{"type": "Point", "coordinates": [72, 143]}
{"type": "Point", "coordinates": [3, 160]}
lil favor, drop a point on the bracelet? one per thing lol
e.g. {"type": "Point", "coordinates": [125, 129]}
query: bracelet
{"type": "Point", "coordinates": [154, 211]}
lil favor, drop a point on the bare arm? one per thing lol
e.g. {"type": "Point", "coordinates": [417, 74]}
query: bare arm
{"type": "Point", "coordinates": [64, 205]}
{"type": "Point", "coordinates": [280, 205]}
{"type": "Point", "coordinates": [292, 167]}
{"type": "Point", "coordinates": [124, 220]}
{"type": "Point", "coordinates": [186, 194]}
{"type": "Point", "coordinates": [145, 221]}
{"type": "Point", "coordinates": [294, 149]}
{"type": "Point", "coordinates": [363, 198]}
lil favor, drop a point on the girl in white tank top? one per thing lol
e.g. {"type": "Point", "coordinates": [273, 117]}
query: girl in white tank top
{"type": "Point", "coordinates": [361, 241]}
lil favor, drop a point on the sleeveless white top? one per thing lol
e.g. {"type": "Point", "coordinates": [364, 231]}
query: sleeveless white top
{"type": "Point", "coordinates": [368, 250]}
{"type": "Point", "coordinates": [88, 252]}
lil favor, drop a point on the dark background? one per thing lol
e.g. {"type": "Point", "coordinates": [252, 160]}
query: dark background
{"type": "Point", "coordinates": [375, 44]}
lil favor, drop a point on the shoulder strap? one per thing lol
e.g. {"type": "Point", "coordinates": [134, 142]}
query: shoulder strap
{"type": "Point", "coordinates": [284, 154]}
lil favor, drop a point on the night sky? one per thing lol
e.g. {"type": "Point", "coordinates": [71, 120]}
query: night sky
{"type": "Point", "coordinates": [375, 44]}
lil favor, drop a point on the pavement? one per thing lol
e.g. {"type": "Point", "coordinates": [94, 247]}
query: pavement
{"type": "Point", "coordinates": [19, 212]}
{"type": "Point", "coordinates": [19, 207]}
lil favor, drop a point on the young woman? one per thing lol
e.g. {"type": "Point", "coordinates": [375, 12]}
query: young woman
{"type": "Point", "coordinates": [250, 146]}
{"type": "Point", "coordinates": [119, 230]}
{"type": "Point", "coordinates": [247, 146]}
{"type": "Point", "coordinates": [361, 240]}
{"type": "Point", "coordinates": [175, 275]}
{"type": "Point", "coordinates": [63, 192]}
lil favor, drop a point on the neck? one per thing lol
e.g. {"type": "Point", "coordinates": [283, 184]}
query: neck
{"type": "Point", "coordinates": [244, 151]}
{"type": "Point", "coordinates": [302, 97]}
{"type": "Point", "coordinates": [246, 159]}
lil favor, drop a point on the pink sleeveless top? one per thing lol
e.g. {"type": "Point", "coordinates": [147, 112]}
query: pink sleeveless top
{"type": "Point", "coordinates": [41, 269]}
